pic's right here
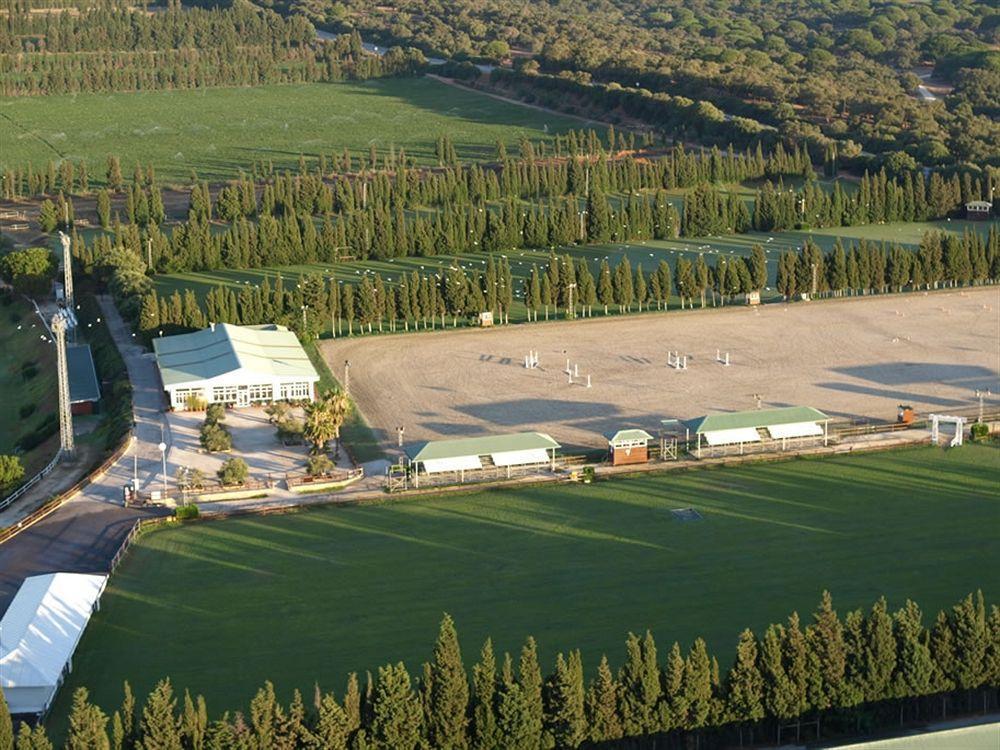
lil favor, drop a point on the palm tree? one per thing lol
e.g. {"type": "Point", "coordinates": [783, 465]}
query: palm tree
{"type": "Point", "coordinates": [339, 406]}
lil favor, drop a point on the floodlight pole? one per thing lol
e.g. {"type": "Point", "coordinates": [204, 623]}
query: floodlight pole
{"type": "Point", "coordinates": [347, 377]}
{"type": "Point", "coordinates": [981, 395]}
{"type": "Point", "coordinates": [66, 446]}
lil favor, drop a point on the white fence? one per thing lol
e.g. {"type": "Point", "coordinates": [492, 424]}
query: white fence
{"type": "Point", "coordinates": [30, 483]}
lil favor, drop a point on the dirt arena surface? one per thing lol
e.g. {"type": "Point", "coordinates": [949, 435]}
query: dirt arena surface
{"type": "Point", "coordinates": [848, 358]}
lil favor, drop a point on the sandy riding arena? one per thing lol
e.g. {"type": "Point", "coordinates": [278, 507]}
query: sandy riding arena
{"type": "Point", "coordinates": [849, 358]}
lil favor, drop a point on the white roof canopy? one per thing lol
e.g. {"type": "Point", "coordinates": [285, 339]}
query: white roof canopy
{"type": "Point", "coordinates": [794, 430]}
{"type": "Point", "coordinates": [520, 458]}
{"type": "Point", "coordinates": [730, 437]}
{"type": "Point", "coordinates": [39, 633]}
{"type": "Point", "coordinates": [459, 463]}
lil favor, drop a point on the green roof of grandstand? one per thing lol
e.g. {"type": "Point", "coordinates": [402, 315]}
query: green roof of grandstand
{"type": "Point", "coordinates": [223, 348]}
{"type": "Point", "coordinates": [756, 418]}
{"type": "Point", "coordinates": [623, 436]}
{"type": "Point", "coordinates": [479, 446]}
{"type": "Point", "coordinates": [83, 384]}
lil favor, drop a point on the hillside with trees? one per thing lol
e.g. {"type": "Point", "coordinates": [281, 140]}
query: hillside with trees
{"type": "Point", "coordinates": [828, 74]}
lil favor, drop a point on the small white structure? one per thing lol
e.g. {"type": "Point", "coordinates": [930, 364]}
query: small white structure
{"type": "Point", "coordinates": [238, 365]}
{"type": "Point", "coordinates": [959, 422]}
{"type": "Point", "coordinates": [758, 430]}
{"type": "Point", "coordinates": [40, 632]}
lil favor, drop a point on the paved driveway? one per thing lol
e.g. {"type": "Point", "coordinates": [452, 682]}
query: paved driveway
{"type": "Point", "coordinates": [84, 534]}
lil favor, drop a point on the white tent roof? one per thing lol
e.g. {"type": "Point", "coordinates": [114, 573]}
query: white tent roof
{"type": "Point", "coordinates": [521, 458]}
{"type": "Point", "coordinates": [730, 437]}
{"type": "Point", "coordinates": [794, 430]}
{"type": "Point", "coordinates": [40, 631]}
{"type": "Point", "coordinates": [457, 463]}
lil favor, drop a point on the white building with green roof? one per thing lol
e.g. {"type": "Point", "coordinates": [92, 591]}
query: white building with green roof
{"type": "Point", "coordinates": [237, 365]}
{"type": "Point", "coordinates": [760, 429]}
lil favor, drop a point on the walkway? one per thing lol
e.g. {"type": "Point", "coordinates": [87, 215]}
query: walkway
{"type": "Point", "coordinates": [84, 534]}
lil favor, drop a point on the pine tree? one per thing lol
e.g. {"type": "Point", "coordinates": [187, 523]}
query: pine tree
{"type": "Point", "coordinates": [32, 739]}
{"type": "Point", "coordinates": [639, 686]}
{"type": "Point", "coordinates": [879, 653]}
{"type": "Point", "coordinates": [396, 711]}
{"type": "Point", "coordinates": [529, 680]}
{"type": "Point", "coordinates": [87, 725]}
{"type": "Point", "coordinates": [565, 719]}
{"type": "Point", "coordinates": [484, 680]}
{"type": "Point", "coordinates": [697, 686]}
{"type": "Point", "coordinates": [971, 638]}
{"type": "Point", "coordinates": [159, 722]}
{"type": "Point", "coordinates": [514, 721]}
{"type": "Point", "coordinates": [449, 691]}
{"type": "Point", "coordinates": [745, 685]}
{"type": "Point", "coordinates": [601, 706]}
{"type": "Point", "coordinates": [826, 655]}
{"type": "Point", "coordinates": [6, 725]}
{"type": "Point", "coordinates": [193, 722]}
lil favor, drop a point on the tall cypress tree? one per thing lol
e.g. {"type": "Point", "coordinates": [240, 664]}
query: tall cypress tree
{"type": "Point", "coordinates": [484, 681]}
{"type": "Point", "coordinates": [6, 725]}
{"type": "Point", "coordinates": [447, 717]}
{"type": "Point", "coordinates": [87, 724]}
{"type": "Point", "coordinates": [565, 718]}
{"type": "Point", "coordinates": [745, 685]}
{"type": "Point", "coordinates": [396, 711]}
{"type": "Point", "coordinates": [601, 706]}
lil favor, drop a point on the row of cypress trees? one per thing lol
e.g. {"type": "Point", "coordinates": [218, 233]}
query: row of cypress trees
{"type": "Point", "coordinates": [835, 675]}
{"type": "Point", "coordinates": [416, 301]}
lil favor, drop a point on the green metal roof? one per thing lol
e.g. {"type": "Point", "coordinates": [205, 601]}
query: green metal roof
{"type": "Point", "coordinates": [479, 446]}
{"type": "Point", "coordinates": [83, 384]}
{"type": "Point", "coordinates": [756, 418]}
{"type": "Point", "coordinates": [271, 351]}
{"type": "Point", "coordinates": [623, 436]}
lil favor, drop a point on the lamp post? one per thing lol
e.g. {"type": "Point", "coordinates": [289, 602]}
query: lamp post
{"type": "Point", "coordinates": [347, 377]}
{"type": "Point", "coordinates": [981, 395]}
{"type": "Point", "coordinates": [163, 456]}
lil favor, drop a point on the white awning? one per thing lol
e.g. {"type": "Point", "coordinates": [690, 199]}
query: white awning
{"type": "Point", "coordinates": [521, 458]}
{"type": "Point", "coordinates": [459, 463]}
{"type": "Point", "coordinates": [39, 633]}
{"type": "Point", "coordinates": [795, 430]}
{"type": "Point", "coordinates": [730, 437]}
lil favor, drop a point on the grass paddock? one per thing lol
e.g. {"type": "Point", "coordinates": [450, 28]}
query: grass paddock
{"type": "Point", "coordinates": [307, 597]}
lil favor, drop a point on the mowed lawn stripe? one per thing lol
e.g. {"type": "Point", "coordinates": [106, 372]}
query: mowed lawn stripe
{"type": "Point", "coordinates": [308, 597]}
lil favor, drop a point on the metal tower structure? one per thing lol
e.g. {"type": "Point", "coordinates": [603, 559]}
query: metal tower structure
{"type": "Point", "coordinates": [65, 414]}
{"type": "Point", "coordinates": [67, 271]}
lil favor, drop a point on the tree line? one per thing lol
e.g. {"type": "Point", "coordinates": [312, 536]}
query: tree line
{"type": "Point", "coordinates": [562, 287]}
{"type": "Point", "coordinates": [115, 47]}
{"type": "Point", "coordinates": [832, 675]}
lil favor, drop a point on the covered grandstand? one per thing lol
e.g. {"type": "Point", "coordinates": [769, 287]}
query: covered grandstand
{"type": "Point", "coordinates": [482, 457]}
{"type": "Point", "coordinates": [760, 430]}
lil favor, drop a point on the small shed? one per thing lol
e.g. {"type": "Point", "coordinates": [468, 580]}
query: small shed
{"type": "Point", "coordinates": [978, 210]}
{"type": "Point", "coordinates": [84, 390]}
{"type": "Point", "coordinates": [628, 447]}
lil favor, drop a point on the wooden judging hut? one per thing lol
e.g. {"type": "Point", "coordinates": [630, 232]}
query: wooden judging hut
{"type": "Point", "coordinates": [628, 447]}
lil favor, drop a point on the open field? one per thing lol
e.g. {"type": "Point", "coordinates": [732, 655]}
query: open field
{"type": "Point", "coordinates": [203, 130]}
{"type": "Point", "coordinates": [20, 344]}
{"type": "Point", "coordinates": [849, 358]}
{"type": "Point", "coordinates": [648, 253]}
{"type": "Point", "coordinates": [222, 606]}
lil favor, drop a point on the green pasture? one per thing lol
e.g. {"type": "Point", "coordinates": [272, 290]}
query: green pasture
{"type": "Point", "coordinates": [304, 598]}
{"type": "Point", "coordinates": [219, 131]}
{"type": "Point", "coordinates": [20, 344]}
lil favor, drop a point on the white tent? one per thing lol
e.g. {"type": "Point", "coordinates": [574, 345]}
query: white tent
{"type": "Point", "coordinates": [40, 632]}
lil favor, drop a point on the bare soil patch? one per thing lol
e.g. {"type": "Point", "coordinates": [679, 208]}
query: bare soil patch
{"type": "Point", "coordinates": [849, 358]}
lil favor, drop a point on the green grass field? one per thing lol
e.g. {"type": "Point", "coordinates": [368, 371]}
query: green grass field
{"type": "Point", "coordinates": [210, 131]}
{"type": "Point", "coordinates": [20, 344]}
{"type": "Point", "coordinates": [647, 253]}
{"type": "Point", "coordinates": [303, 598]}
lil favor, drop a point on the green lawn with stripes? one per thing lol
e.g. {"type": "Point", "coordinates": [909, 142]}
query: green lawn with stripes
{"type": "Point", "coordinates": [302, 598]}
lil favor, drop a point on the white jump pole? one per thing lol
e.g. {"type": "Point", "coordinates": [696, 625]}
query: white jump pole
{"type": "Point", "coordinates": [569, 376]}
{"type": "Point", "coordinates": [567, 366]}
{"type": "Point", "coordinates": [727, 359]}
{"type": "Point", "coordinates": [588, 381]}
{"type": "Point", "coordinates": [576, 370]}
